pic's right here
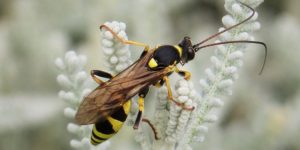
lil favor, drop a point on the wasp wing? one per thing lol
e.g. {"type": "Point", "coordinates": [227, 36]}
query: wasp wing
{"type": "Point", "coordinates": [90, 110]}
{"type": "Point", "coordinates": [106, 99]}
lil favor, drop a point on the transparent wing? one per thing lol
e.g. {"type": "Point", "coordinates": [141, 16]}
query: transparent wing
{"type": "Point", "coordinates": [106, 99]}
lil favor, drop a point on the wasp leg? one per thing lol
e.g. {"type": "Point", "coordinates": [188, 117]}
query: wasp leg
{"type": "Point", "coordinates": [170, 97]}
{"type": "Point", "coordinates": [152, 127]}
{"type": "Point", "coordinates": [159, 83]}
{"type": "Point", "coordinates": [144, 52]}
{"type": "Point", "coordinates": [100, 73]}
{"type": "Point", "coordinates": [124, 41]}
{"type": "Point", "coordinates": [185, 74]}
{"type": "Point", "coordinates": [166, 80]}
{"type": "Point", "coordinates": [142, 95]}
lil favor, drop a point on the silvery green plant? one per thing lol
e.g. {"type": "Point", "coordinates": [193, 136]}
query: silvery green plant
{"type": "Point", "coordinates": [184, 93]}
{"type": "Point", "coordinates": [179, 128]}
{"type": "Point", "coordinates": [222, 74]}
{"type": "Point", "coordinates": [176, 127]}
{"type": "Point", "coordinates": [117, 54]}
{"type": "Point", "coordinates": [75, 84]}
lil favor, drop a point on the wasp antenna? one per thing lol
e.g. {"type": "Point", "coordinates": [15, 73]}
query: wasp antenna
{"type": "Point", "coordinates": [229, 28]}
{"type": "Point", "coordinates": [241, 41]}
{"type": "Point", "coordinates": [101, 26]}
{"type": "Point", "coordinates": [152, 127]}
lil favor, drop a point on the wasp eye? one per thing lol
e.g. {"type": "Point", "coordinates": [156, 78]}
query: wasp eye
{"type": "Point", "coordinates": [191, 53]}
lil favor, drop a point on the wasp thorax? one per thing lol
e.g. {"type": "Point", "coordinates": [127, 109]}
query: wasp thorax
{"type": "Point", "coordinates": [164, 56]}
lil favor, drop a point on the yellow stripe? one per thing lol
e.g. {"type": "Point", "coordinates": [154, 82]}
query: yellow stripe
{"type": "Point", "coordinates": [92, 142]}
{"type": "Point", "coordinates": [127, 106]}
{"type": "Point", "coordinates": [141, 104]}
{"type": "Point", "coordinates": [102, 135]}
{"type": "Point", "coordinates": [115, 123]}
{"type": "Point", "coordinates": [96, 140]}
{"type": "Point", "coordinates": [179, 49]}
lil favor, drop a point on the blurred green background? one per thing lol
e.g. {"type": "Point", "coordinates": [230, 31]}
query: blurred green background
{"type": "Point", "coordinates": [263, 112]}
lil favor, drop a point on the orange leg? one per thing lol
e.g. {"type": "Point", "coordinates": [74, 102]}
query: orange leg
{"type": "Point", "coordinates": [142, 95]}
{"type": "Point", "coordinates": [124, 41]}
{"type": "Point", "coordinates": [170, 97]}
{"type": "Point", "coordinates": [185, 74]}
{"type": "Point", "coordinates": [100, 73]}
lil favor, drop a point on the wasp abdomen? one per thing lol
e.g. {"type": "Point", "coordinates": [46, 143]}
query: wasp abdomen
{"type": "Point", "coordinates": [111, 125]}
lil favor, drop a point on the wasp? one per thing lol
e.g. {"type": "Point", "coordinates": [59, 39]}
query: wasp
{"type": "Point", "coordinates": [108, 105]}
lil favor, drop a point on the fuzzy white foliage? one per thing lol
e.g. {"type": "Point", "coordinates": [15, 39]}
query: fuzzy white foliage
{"type": "Point", "coordinates": [169, 130]}
{"type": "Point", "coordinates": [176, 127]}
{"type": "Point", "coordinates": [117, 54]}
{"type": "Point", "coordinates": [141, 138]}
{"type": "Point", "coordinates": [73, 81]}
{"type": "Point", "coordinates": [221, 76]}
{"type": "Point", "coordinates": [118, 58]}
{"type": "Point", "coordinates": [170, 119]}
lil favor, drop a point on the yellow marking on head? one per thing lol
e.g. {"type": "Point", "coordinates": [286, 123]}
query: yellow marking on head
{"type": "Point", "coordinates": [102, 135]}
{"type": "Point", "coordinates": [179, 49]}
{"type": "Point", "coordinates": [116, 124]}
{"type": "Point", "coordinates": [127, 106]}
{"type": "Point", "coordinates": [152, 63]}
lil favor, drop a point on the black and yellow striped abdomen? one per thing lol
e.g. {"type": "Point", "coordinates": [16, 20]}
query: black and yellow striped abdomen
{"type": "Point", "coordinates": [111, 125]}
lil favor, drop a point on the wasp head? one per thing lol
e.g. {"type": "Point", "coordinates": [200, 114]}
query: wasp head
{"type": "Point", "coordinates": [188, 52]}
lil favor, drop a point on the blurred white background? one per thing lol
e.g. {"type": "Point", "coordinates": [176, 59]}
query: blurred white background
{"type": "Point", "coordinates": [263, 112]}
